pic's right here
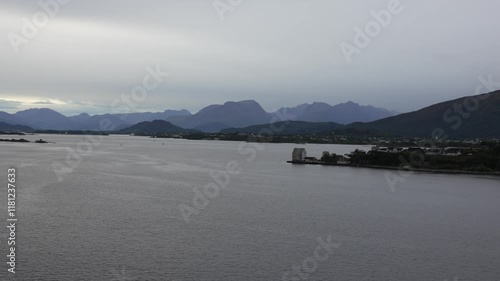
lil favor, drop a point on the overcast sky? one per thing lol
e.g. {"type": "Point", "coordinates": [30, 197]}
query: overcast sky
{"type": "Point", "coordinates": [278, 52]}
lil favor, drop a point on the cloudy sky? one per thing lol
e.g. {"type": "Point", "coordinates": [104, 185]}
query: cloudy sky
{"type": "Point", "coordinates": [279, 52]}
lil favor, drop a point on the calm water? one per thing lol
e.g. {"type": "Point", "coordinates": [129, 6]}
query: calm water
{"type": "Point", "coordinates": [117, 217]}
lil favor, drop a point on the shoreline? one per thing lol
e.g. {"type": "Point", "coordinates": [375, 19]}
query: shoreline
{"type": "Point", "coordinates": [431, 171]}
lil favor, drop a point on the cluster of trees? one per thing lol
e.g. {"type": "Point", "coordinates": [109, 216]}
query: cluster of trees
{"type": "Point", "coordinates": [485, 159]}
{"type": "Point", "coordinates": [14, 140]}
{"type": "Point", "coordinates": [329, 158]}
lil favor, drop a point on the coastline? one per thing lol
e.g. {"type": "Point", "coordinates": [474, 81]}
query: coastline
{"type": "Point", "coordinates": [431, 171]}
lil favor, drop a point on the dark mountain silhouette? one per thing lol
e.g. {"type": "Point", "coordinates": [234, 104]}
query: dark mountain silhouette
{"type": "Point", "coordinates": [231, 114]}
{"type": "Point", "coordinates": [344, 113]}
{"type": "Point", "coordinates": [289, 128]}
{"type": "Point", "coordinates": [456, 118]}
{"type": "Point", "coordinates": [212, 118]}
{"type": "Point", "coordinates": [42, 118]}
{"type": "Point", "coordinates": [96, 123]}
{"type": "Point", "coordinates": [8, 128]}
{"type": "Point", "coordinates": [462, 118]}
{"type": "Point", "coordinates": [134, 118]}
{"type": "Point", "coordinates": [292, 113]}
{"type": "Point", "coordinates": [120, 121]}
{"type": "Point", "coordinates": [79, 118]}
{"type": "Point", "coordinates": [212, 127]}
{"type": "Point", "coordinates": [153, 127]}
{"type": "Point", "coordinates": [7, 118]}
{"type": "Point", "coordinates": [48, 119]}
{"type": "Point", "coordinates": [466, 117]}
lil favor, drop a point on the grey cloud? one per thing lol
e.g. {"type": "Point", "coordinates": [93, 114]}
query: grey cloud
{"type": "Point", "coordinates": [278, 52]}
{"type": "Point", "coordinates": [43, 102]}
{"type": "Point", "coordinates": [8, 105]}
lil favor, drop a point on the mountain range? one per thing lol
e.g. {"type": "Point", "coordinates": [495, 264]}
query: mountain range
{"type": "Point", "coordinates": [289, 128]}
{"type": "Point", "coordinates": [467, 117]}
{"type": "Point", "coordinates": [48, 119]}
{"type": "Point", "coordinates": [212, 118]}
{"type": "Point", "coordinates": [343, 113]}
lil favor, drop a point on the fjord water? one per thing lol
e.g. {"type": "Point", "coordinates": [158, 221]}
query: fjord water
{"type": "Point", "coordinates": [117, 217]}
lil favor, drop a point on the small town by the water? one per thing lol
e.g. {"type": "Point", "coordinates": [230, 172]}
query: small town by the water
{"type": "Point", "coordinates": [466, 160]}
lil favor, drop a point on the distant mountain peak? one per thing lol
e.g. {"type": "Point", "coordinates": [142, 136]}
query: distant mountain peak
{"type": "Point", "coordinates": [243, 102]}
{"type": "Point", "coordinates": [153, 127]}
{"type": "Point", "coordinates": [253, 102]}
{"type": "Point", "coordinates": [351, 103]}
{"type": "Point", "coordinates": [343, 113]}
{"type": "Point", "coordinates": [37, 110]}
{"type": "Point", "coordinates": [83, 115]}
{"type": "Point", "coordinates": [230, 114]}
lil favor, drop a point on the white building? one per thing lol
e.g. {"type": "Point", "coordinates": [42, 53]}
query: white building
{"type": "Point", "coordinates": [299, 154]}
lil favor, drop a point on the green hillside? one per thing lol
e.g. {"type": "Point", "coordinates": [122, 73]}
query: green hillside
{"type": "Point", "coordinates": [4, 127]}
{"type": "Point", "coordinates": [288, 128]}
{"type": "Point", "coordinates": [470, 117]}
{"type": "Point", "coordinates": [153, 127]}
